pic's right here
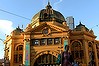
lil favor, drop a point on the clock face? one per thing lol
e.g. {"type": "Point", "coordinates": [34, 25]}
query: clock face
{"type": "Point", "coordinates": [45, 31]}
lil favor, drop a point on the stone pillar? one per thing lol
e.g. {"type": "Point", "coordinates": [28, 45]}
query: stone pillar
{"type": "Point", "coordinates": [86, 55]}
{"type": "Point", "coordinates": [26, 57]}
{"type": "Point", "coordinates": [95, 55]}
{"type": "Point", "coordinates": [12, 54]}
{"type": "Point", "coordinates": [45, 41]}
{"type": "Point", "coordinates": [52, 41]}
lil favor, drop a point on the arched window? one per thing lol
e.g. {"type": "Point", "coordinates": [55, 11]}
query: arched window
{"type": "Point", "coordinates": [18, 57]}
{"type": "Point", "coordinates": [46, 60]}
{"type": "Point", "coordinates": [19, 48]}
{"type": "Point", "coordinates": [77, 52]}
{"type": "Point", "coordinates": [90, 48]}
{"type": "Point", "coordinates": [90, 51]}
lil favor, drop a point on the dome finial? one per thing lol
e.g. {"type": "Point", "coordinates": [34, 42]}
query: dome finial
{"type": "Point", "coordinates": [48, 2]}
{"type": "Point", "coordinates": [48, 6]}
{"type": "Point", "coordinates": [80, 22]}
{"type": "Point", "coordinates": [18, 26]}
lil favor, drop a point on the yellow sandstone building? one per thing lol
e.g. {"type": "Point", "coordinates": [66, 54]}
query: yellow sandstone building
{"type": "Point", "coordinates": [44, 39]}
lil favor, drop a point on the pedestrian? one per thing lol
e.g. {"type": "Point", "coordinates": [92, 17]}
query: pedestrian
{"type": "Point", "coordinates": [66, 57]}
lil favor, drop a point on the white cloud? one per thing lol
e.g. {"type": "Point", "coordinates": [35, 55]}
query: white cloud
{"type": "Point", "coordinates": [6, 26]}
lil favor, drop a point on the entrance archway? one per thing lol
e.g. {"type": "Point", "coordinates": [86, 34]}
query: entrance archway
{"type": "Point", "coordinates": [45, 59]}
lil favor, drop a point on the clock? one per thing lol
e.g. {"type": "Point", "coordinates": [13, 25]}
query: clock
{"type": "Point", "coordinates": [45, 31]}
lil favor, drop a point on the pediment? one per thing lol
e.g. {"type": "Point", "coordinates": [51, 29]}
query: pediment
{"type": "Point", "coordinates": [49, 27]}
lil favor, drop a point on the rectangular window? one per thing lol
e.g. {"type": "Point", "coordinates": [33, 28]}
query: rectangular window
{"type": "Point", "coordinates": [20, 57]}
{"type": "Point", "coordinates": [43, 41]}
{"type": "Point", "coordinates": [35, 42]}
{"type": "Point", "coordinates": [49, 41]}
{"type": "Point", "coordinates": [57, 41]}
{"type": "Point", "coordinates": [16, 58]}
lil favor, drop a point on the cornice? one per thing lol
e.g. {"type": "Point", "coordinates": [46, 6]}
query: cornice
{"type": "Point", "coordinates": [77, 33]}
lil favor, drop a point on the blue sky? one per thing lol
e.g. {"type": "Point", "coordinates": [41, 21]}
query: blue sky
{"type": "Point", "coordinates": [86, 11]}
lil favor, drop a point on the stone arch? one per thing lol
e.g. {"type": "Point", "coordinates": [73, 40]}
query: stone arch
{"type": "Point", "coordinates": [91, 51]}
{"type": "Point", "coordinates": [74, 41]}
{"type": "Point", "coordinates": [51, 52]}
{"type": "Point", "coordinates": [18, 45]}
{"type": "Point", "coordinates": [77, 50]}
{"type": "Point", "coordinates": [90, 45]}
{"type": "Point", "coordinates": [18, 55]}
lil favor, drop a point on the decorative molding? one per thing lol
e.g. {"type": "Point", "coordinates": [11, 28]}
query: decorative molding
{"type": "Point", "coordinates": [27, 40]}
{"type": "Point", "coordinates": [46, 31]}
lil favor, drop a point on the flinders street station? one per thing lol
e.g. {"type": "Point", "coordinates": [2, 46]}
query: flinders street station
{"type": "Point", "coordinates": [45, 37]}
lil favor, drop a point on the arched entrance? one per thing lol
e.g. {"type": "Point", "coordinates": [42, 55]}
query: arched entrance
{"type": "Point", "coordinates": [77, 51]}
{"type": "Point", "coordinates": [45, 59]}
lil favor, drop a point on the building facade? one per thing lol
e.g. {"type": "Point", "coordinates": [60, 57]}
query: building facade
{"type": "Point", "coordinates": [44, 39]}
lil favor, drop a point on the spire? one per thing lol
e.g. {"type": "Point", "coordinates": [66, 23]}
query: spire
{"type": "Point", "coordinates": [48, 2]}
{"type": "Point", "coordinates": [79, 22]}
{"type": "Point", "coordinates": [48, 6]}
{"type": "Point", "coordinates": [18, 26]}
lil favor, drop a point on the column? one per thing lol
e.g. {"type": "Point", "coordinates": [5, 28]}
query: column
{"type": "Point", "coordinates": [86, 56]}
{"type": "Point", "coordinates": [45, 41]}
{"type": "Point", "coordinates": [53, 41]}
{"type": "Point", "coordinates": [26, 58]}
{"type": "Point", "coordinates": [12, 54]}
{"type": "Point", "coordinates": [52, 59]}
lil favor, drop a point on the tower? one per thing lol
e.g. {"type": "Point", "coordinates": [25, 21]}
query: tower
{"type": "Point", "coordinates": [70, 22]}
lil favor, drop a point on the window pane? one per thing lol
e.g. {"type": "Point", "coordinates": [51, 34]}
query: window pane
{"type": "Point", "coordinates": [49, 41]}
{"type": "Point", "coordinates": [15, 58]}
{"type": "Point", "coordinates": [20, 57]}
{"type": "Point", "coordinates": [43, 41]}
{"type": "Point", "coordinates": [56, 40]}
{"type": "Point", "coordinates": [21, 47]}
{"type": "Point", "coordinates": [35, 42]}
{"type": "Point", "coordinates": [76, 50]}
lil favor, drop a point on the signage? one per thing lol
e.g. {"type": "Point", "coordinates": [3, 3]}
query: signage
{"type": "Point", "coordinates": [27, 54]}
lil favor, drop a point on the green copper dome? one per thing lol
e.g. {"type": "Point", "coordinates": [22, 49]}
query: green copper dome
{"type": "Point", "coordinates": [48, 14]}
